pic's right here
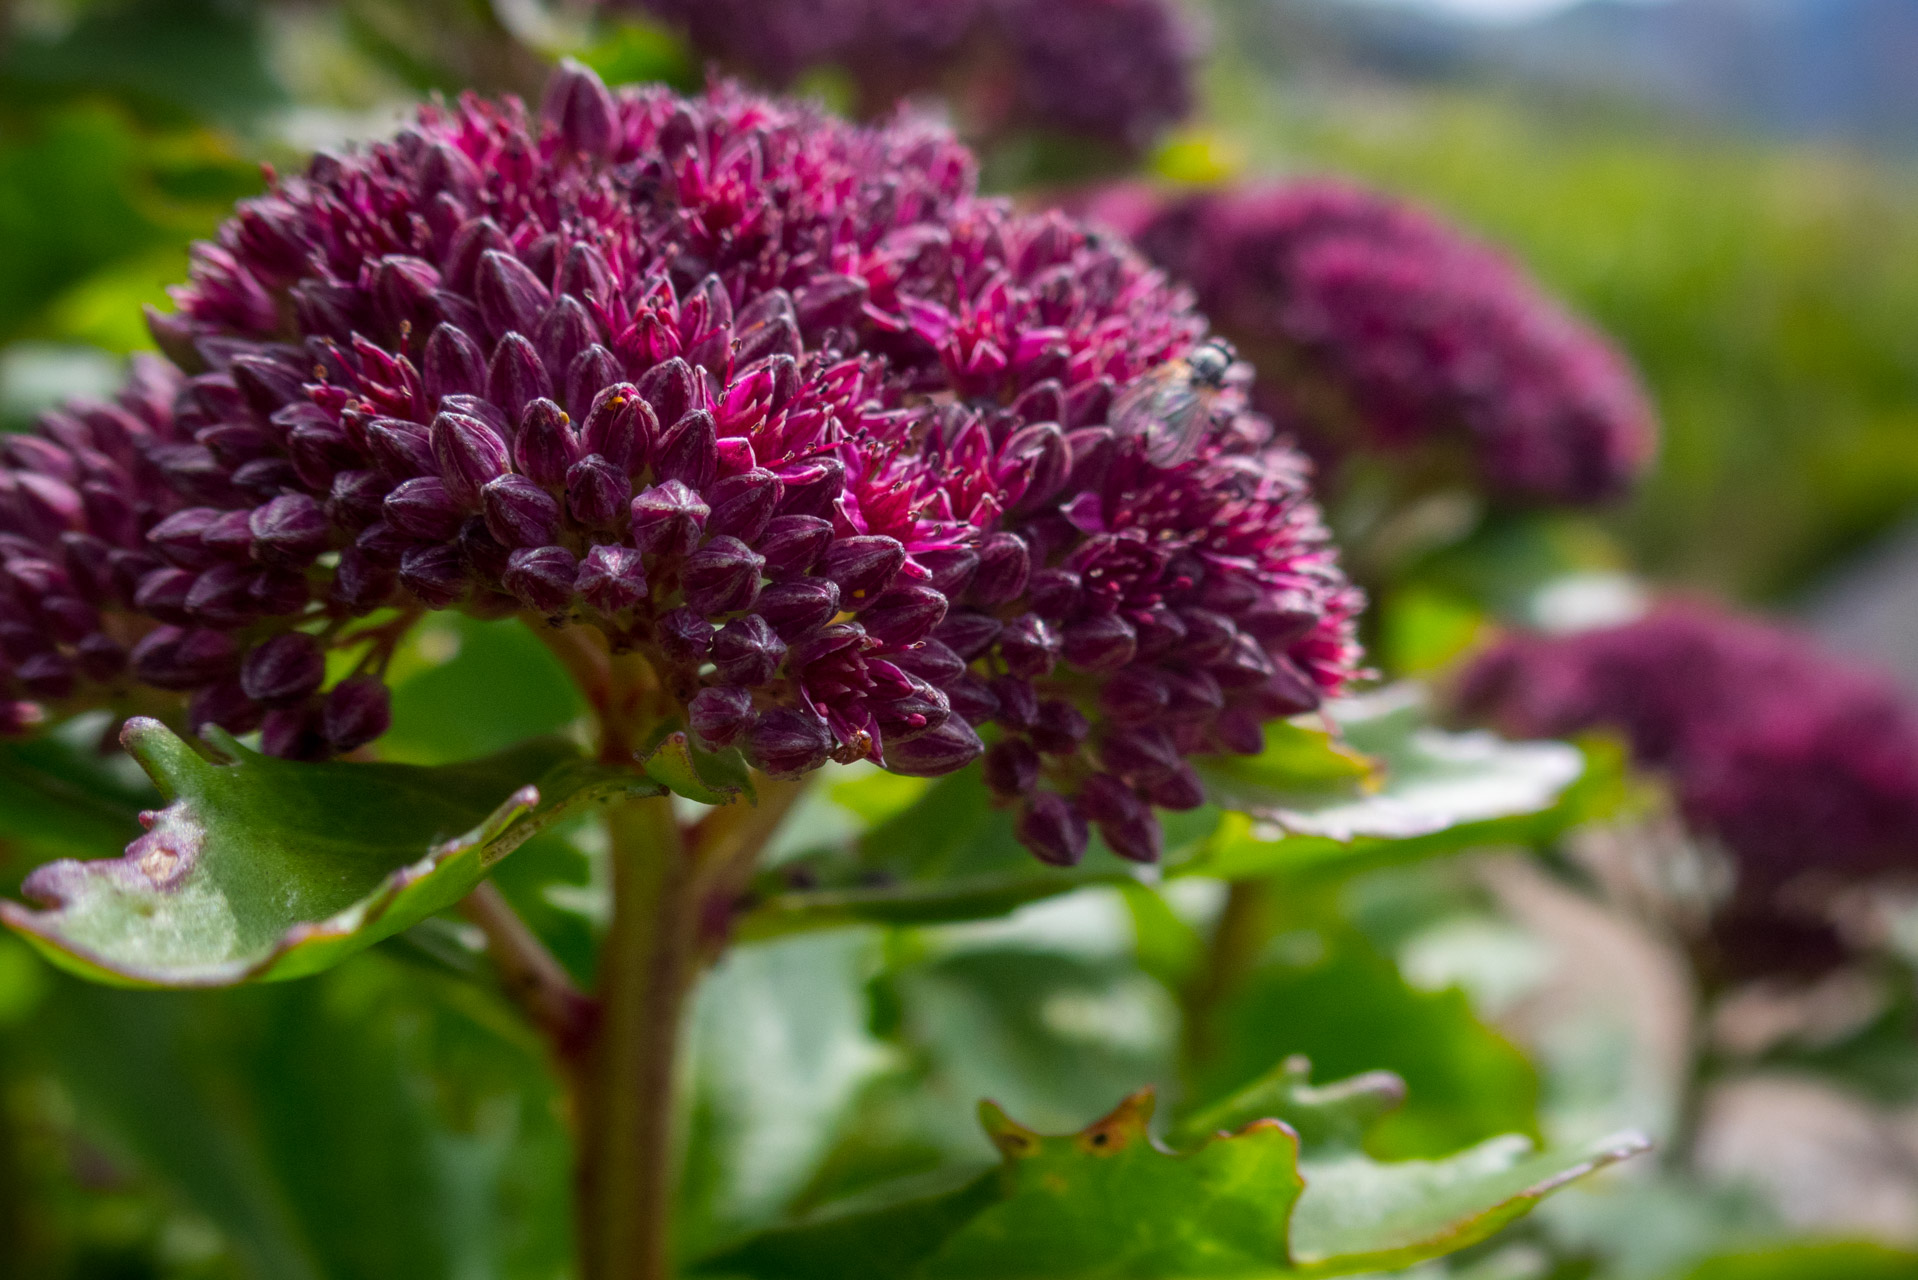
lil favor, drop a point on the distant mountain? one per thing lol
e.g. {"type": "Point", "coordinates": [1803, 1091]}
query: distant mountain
{"type": "Point", "coordinates": [1844, 69]}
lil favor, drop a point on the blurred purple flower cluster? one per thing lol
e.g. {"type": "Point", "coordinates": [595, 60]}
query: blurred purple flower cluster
{"type": "Point", "coordinates": [1116, 70]}
{"type": "Point", "coordinates": [774, 400]}
{"type": "Point", "coordinates": [1377, 328]}
{"type": "Point", "coordinates": [1805, 770]}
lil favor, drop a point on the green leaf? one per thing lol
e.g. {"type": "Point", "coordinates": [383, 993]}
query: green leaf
{"type": "Point", "coordinates": [377, 1123]}
{"type": "Point", "coordinates": [464, 688]}
{"type": "Point", "coordinates": [1109, 1201]}
{"type": "Point", "coordinates": [1327, 995]}
{"type": "Point", "coordinates": [1360, 1215]}
{"type": "Point", "coordinates": [949, 855]}
{"type": "Point", "coordinates": [1333, 1116]}
{"type": "Point", "coordinates": [780, 1049]}
{"type": "Point", "coordinates": [61, 798]}
{"type": "Point", "coordinates": [267, 869]}
{"type": "Point", "coordinates": [675, 763]}
{"type": "Point", "coordinates": [1429, 792]}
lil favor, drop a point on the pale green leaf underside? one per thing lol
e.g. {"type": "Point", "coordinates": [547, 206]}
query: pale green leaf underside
{"type": "Point", "coordinates": [262, 869]}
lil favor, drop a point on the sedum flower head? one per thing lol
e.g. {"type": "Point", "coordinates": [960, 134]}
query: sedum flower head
{"type": "Point", "coordinates": [1380, 329]}
{"type": "Point", "coordinates": [1119, 71]}
{"type": "Point", "coordinates": [1804, 769]}
{"type": "Point", "coordinates": [776, 401]}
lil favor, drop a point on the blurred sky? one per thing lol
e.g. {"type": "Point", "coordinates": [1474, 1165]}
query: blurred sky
{"type": "Point", "coordinates": [1492, 10]}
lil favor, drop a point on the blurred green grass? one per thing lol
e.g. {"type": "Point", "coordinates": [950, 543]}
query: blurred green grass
{"type": "Point", "coordinates": [1769, 293]}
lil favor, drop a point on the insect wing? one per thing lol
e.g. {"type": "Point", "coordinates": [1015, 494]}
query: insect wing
{"type": "Point", "coordinates": [1167, 410]}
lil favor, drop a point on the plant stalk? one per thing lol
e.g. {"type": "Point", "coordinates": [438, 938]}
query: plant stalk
{"type": "Point", "coordinates": [628, 1081]}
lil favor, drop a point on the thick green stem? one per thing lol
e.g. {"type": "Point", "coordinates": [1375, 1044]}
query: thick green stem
{"type": "Point", "coordinates": [1237, 938]}
{"type": "Point", "coordinates": [628, 1080]}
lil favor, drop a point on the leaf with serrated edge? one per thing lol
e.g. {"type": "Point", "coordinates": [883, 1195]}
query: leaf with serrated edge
{"type": "Point", "coordinates": [1359, 1215]}
{"type": "Point", "coordinates": [1109, 1201]}
{"type": "Point", "coordinates": [262, 869]}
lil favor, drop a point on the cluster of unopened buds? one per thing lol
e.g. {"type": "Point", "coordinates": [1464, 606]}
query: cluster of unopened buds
{"type": "Point", "coordinates": [1118, 71]}
{"type": "Point", "coordinates": [1801, 767]}
{"type": "Point", "coordinates": [1380, 329]}
{"type": "Point", "coordinates": [853, 457]}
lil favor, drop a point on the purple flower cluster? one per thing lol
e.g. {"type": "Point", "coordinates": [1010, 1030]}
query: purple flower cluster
{"type": "Point", "coordinates": [776, 401]}
{"type": "Point", "coordinates": [1378, 328]}
{"type": "Point", "coordinates": [1803, 769]}
{"type": "Point", "coordinates": [1116, 70]}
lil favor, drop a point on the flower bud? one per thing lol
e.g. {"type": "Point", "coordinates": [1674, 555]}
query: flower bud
{"type": "Point", "coordinates": [685, 636]}
{"type": "Point", "coordinates": [592, 371]}
{"type": "Point", "coordinates": [1004, 564]}
{"type": "Point", "coordinates": [1239, 731]}
{"type": "Point", "coordinates": [953, 745]}
{"type": "Point", "coordinates": [400, 449]}
{"type": "Point", "coordinates": [812, 487]}
{"type": "Point", "coordinates": [1136, 695]}
{"type": "Point", "coordinates": [45, 675]}
{"type": "Point", "coordinates": [951, 569]}
{"type": "Point", "coordinates": [788, 743]}
{"type": "Point", "coordinates": [1246, 667]}
{"type": "Point", "coordinates": [862, 566]}
{"type": "Point", "coordinates": [579, 106]}
{"type": "Point", "coordinates": [162, 593]}
{"type": "Point", "coordinates": [798, 607]}
{"type": "Point", "coordinates": [542, 578]}
{"type": "Point", "coordinates": [621, 428]}
{"type": "Point", "coordinates": [793, 544]}
{"type": "Point", "coordinates": [519, 513]}
{"type": "Point", "coordinates": [422, 508]}
{"type": "Point", "coordinates": [565, 331]}
{"type": "Point", "coordinates": [1018, 702]}
{"type": "Point", "coordinates": [746, 651]}
{"type": "Point", "coordinates": [468, 453]}
{"type": "Point", "coordinates": [1029, 646]}
{"type": "Point", "coordinates": [289, 531]}
{"type": "Point", "coordinates": [669, 387]}
{"type": "Point", "coordinates": [511, 298]}
{"type": "Point", "coordinates": [1059, 727]}
{"type": "Point", "coordinates": [1056, 594]}
{"type": "Point", "coordinates": [223, 703]}
{"type": "Point", "coordinates": [1103, 643]}
{"type": "Point", "coordinates": [722, 576]}
{"type": "Point", "coordinates": [222, 596]}
{"type": "Point", "coordinates": [436, 574]}
{"type": "Point", "coordinates": [360, 585]}
{"type": "Point", "coordinates": [1194, 697]}
{"type": "Point", "coordinates": [689, 451]}
{"type": "Point", "coordinates": [483, 409]}
{"type": "Point", "coordinates": [1125, 823]}
{"type": "Point", "coordinates": [717, 715]}
{"type": "Point", "coordinates": [668, 519]}
{"type": "Point", "coordinates": [1011, 768]}
{"type": "Point", "coordinates": [612, 579]}
{"type": "Point", "coordinates": [357, 711]}
{"type": "Point", "coordinates": [1209, 636]}
{"type": "Point", "coordinates": [968, 632]}
{"type": "Point", "coordinates": [743, 504]}
{"type": "Point", "coordinates": [284, 670]}
{"type": "Point", "coordinates": [178, 537]}
{"type": "Point", "coordinates": [904, 615]}
{"type": "Point", "coordinates": [596, 491]}
{"type": "Point", "coordinates": [454, 363]}
{"type": "Point", "coordinates": [1054, 830]}
{"type": "Point", "coordinates": [100, 656]}
{"type": "Point", "coordinates": [292, 733]}
{"type": "Point", "coordinates": [1139, 754]}
{"type": "Point", "coordinates": [356, 498]}
{"type": "Point", "coordinates": [1178, 789]}
{"type": "Point", "coordinates": [544, 446]}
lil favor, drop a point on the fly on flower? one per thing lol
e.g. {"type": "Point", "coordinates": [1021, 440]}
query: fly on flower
{"type": "Point", "coordinates": [1170, 405]}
